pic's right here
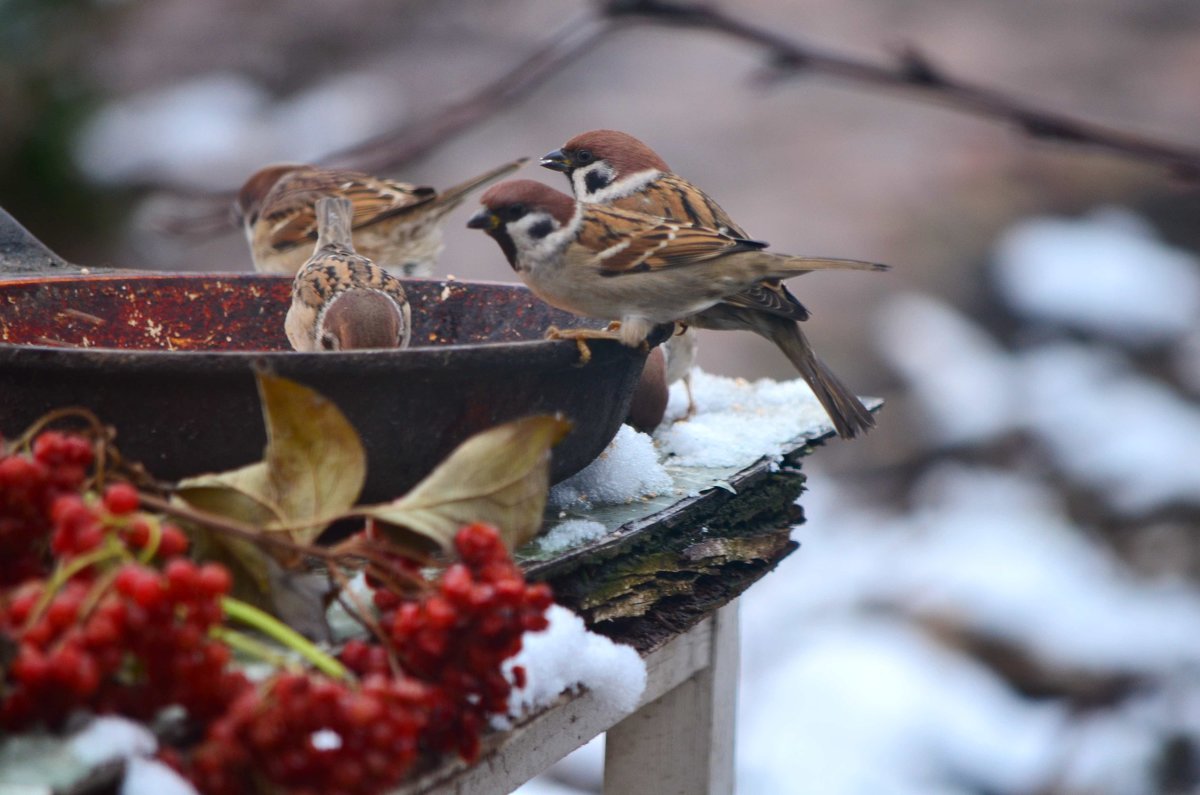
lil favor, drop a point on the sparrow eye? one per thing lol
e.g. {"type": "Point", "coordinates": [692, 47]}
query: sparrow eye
{"type": "Point", "coordinates": [515, 211]}
{"type": "Point", "coordinates": [584, 156]}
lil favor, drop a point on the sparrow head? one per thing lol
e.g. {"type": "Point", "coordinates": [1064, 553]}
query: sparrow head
{"type": "Point", "coordinates": [359, 319]}
{"type": "Point", "coordinates": [249, 202]}
{"type": "Point", "coordinates": [594, 161]}
{"type": "Point", "coordinates": [520, 214]}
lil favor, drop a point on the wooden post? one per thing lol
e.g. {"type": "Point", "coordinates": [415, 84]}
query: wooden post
{"type": "Point", "coordinates": [682, 742]}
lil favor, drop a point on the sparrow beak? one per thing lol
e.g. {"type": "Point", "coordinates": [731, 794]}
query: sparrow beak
{"type": "Point", "coordinates": [556, 161]}
{"type": "Point", "coordinates": [485, 219]}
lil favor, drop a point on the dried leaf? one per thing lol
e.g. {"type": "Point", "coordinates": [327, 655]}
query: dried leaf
{"type": "Point", "coordinates": [242, 494]}
{"type": "Point", "coordinates": [313, 470]}
{"type": "Point", "coordinates": [316, 464]}
{"type": "Point", "coordinates": [500, 476]}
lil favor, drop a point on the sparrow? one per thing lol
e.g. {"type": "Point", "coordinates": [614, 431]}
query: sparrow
{"type": "Point", "coordinates": [643, 270]}
{"type": "Point", "coordinates": [397, 225]}
{"type": "Point", "coordinates": [614, 168]}
{"type": "Point", "coordinates": [341, 300]}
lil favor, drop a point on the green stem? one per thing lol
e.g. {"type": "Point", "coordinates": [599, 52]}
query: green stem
{"type": "Point", "coordinates": [110, 549]}
{"type": "Point", "coordinates": [239, 641]}
{"type": "Point", "coordinates": [269, 625]}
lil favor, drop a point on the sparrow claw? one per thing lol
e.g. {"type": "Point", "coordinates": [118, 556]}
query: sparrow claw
{"type": "Point", "coordinates": [585, 353]}
{"type": "Point", "coordinates": [556, 333]}
{"type": "Point", "coordinates": [581, 336]}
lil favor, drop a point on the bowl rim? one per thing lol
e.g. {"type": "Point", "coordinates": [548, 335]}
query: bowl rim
{"type": "Point", "coordinates": [416, 356]}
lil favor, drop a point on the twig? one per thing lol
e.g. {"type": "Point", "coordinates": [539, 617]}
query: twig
{"type": "Point", "coordinates": [915, 72]}
{"type": "Point", "coordinates": [234, 528]}
{"type": "Point", "coordinates": [395, 149]}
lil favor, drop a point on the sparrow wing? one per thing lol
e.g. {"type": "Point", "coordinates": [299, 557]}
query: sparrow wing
{"type": "Point", "coordinates": [628, 242]}
{"type": "Point", "coordinates": [771, 297]}
{"type": "Point", "coordinates": [682, 201]}
{"type": "Point", "coordinates": [290, 212]}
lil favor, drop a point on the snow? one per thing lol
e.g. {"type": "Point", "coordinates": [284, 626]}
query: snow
{"type": "Point", "coordinates": [151, 777]}
{"type": "Point", "coordinates": [628, 469]}
{"type": "Point", "coordinates": [1129, 437]}
{"type": "Point", "coordinates": [959, 374]}
{"type": "Point", "coordinates": [571, 533]}
{"type": "Point", "coordinates": [737, 421]}
{"type": "Point", "coordinates": [214, 130]}
{"type": "Point", "coordinates": [567, 656]}
{"type": "Point", "coordinates": [1106, 273]}
{"type": "Point", "coordinates": [108, 737]}
{"type": "Point", "coordinates": [882, 706]}
{"type": "Point", "coordinates": [870, 688]}
{"type": "Point", "coordinates": [1106, 427]}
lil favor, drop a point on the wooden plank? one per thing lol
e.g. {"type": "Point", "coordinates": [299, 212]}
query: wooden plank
{"type": "Point", "coordinates": [512, 758]}
{"type": "Point", "coordinates": [683, 742]}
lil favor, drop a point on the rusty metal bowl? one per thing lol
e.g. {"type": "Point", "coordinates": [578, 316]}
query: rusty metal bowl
{"type": "Point", "coordinates": [169, 360]}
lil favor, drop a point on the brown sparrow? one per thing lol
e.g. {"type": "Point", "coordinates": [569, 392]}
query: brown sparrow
{"type": "Point", "coordinates": [396, 225]}
{"type": "Point", "coordinates": [341, 300]}
{"type": "Point", "coordinates": [643, 270]}
{"type": "Point", "coordinates": [611, 167]}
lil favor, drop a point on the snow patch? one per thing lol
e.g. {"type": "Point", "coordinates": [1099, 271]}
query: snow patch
{"type": "Point", "coordinates": [108, 737]}
{"type": "Point", "coordinates": [627, 470]}
{"type": "Point", "coordinates": [960, 376]}
{"type": "Point", "coordinates": [566, 656]}
{"type": "Point", "coordinates": [1107, 273]}
{"type": "Point", "coordinates": [737, 421]}
{"type": "Point", "coordinates": [571, 533]}
{"type": "Point", "coordinates": [151, 777]}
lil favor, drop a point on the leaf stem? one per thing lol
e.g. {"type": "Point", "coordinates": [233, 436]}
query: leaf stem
{"type": "Point", "coordinates": [269, 625]}
{"type": "Point", "coordinates": [251, 647]}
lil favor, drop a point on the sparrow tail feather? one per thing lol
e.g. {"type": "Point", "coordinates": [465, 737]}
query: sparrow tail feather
{"type": "Point", "coordinates": [850, 417]}
{"type": "Point", "coordinates": [453, 195]}
{"type": "Point", "coordinates": [800, 264]}
{"type": "Point", "coordinates": [333, 222]}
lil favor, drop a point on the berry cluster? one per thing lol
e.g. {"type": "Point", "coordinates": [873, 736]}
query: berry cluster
{"type": "Point", "coordinates": [29, 486]}
{"type": "Point", "coordinates": [130, 643]}
{"type": "Point", "coordinates": [308, 734]}
{"type": "Point", "coordinates": [99, 631]}
{"type": "Point", "coordinates": [100, 610]}
{"type": "Point", "coordinates": [457, 638]}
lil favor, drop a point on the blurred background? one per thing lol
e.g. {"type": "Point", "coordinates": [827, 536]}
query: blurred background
{"type": "Point", "coordinates": [998, 588]}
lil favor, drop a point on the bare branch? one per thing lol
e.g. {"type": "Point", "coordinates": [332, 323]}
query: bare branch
{"type": "Point", "coordinates": [209, 213]}
{"type": "Point", "coordinates": [914, 72]}
{"type": "Point", "coordinates": [393, 150]}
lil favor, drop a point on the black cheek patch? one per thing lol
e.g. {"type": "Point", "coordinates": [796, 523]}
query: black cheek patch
{"type": "Point", "coordinates": [595, 180]}
{"type": "Point", "coordinates": [541, 228]}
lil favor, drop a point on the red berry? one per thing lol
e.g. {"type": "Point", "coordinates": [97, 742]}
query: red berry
{"type": "Point", "coordinates": [121, 499]}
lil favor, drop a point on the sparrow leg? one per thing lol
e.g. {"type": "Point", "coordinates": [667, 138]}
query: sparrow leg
{"type": "Point", "coordinates": [687, 387]}
{"type": "Point", "coordinates": [581, 336]}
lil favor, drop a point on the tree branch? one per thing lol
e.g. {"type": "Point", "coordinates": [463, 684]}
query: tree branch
{"type": "Point", "coordinates": [393, 150]}
{"type": "Point", "coordinates": [914, 72]}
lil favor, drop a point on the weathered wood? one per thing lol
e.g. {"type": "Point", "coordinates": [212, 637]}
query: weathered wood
{"type": "Point", "coordinates": [659, 574]}
{"type": "Point", "coordinates": [682, 743]}
{"type": "Point", "coordinates": [512, 758]}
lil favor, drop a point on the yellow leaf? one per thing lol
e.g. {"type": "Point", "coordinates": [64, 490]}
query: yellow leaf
{"type": "Point", "coordinates": [312, 471]}
{"type": "Point", "coordinates": [500, 476]}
